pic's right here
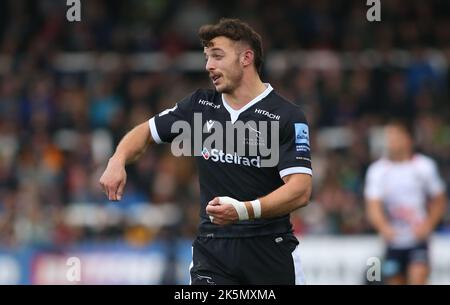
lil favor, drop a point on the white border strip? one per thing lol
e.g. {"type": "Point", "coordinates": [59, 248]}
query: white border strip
{"type": "Point", "coordinates": [295, 170]}
{"type": "Point", "coordinates": [154, 131]}
{"type": "Point", "coordinates": [191, 266]}
{"type": "Point", "coordinates": [299, 275]}
{"type": "Point", "coordinates": [234, 114]}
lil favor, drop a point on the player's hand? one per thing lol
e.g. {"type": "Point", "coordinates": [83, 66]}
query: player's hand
{"type": "Point", "coordinates": [388, 233]}
{"type": "Point", "coordinates": [422, 231]}
{"type": "Point", "coordinates": [113, 179]}
{"type": "Point", "coordinates": [220, 213]}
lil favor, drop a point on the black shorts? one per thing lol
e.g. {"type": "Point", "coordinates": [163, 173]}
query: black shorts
{"type": "Point", "coordinates": [397, 260]}
{"type": "Point", "coordinates": [259, 260]}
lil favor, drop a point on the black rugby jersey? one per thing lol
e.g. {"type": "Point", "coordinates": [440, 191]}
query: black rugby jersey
{"type": "Point", "coordinates": [238, 166]}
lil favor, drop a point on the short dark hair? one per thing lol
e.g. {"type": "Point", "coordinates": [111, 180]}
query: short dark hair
{"type": "Point", "coordinates": [236, 30]}
{"type": "Point", "coordinates": [403, 123]}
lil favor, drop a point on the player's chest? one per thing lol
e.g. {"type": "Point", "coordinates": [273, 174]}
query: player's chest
{"type": "Point", "coordinates": [248, 141]}
{"type": "Point", "coordinates": [402, 180]}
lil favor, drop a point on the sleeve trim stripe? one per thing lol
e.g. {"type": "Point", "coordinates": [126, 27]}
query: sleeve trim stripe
{"type": "Point", "coordinates": [295, 170]}
{"type": "Point", "coordinates": [154, 131]}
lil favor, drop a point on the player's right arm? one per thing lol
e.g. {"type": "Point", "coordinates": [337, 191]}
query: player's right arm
{"type": "Point", "coordinates": [134, 143]}
{"type": "Point", "coordinates": [373, 193]}
{"type": "Point", "coordinates": [130, 148]}
{"type": "Point", "coordinates": [437, 205]}
{"type": "Point", "coordinates": [376, 216]}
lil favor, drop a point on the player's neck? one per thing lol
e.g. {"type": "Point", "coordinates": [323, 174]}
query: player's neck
{"type": "Point", "coordinates": [246, 92]}
{"type": "Point", "coordinates": [401, 156]}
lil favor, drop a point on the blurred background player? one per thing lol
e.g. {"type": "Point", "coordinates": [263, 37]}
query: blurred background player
{"type": "Point", "coordinates": [405, 199]}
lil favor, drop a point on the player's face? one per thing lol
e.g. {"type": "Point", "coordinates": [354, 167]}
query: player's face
{"type": "Point", "coordinates": [223, 65]}
{"type": "Point", "coordinates": [398, 141]}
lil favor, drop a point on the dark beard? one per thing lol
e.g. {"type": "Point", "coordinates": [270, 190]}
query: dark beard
{"type": "Point", "coordinates": [234, 83]}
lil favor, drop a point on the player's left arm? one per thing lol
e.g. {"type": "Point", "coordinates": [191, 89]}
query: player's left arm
{"type": "Point", "coordinates": [437, 205]}
{"type": "Point", "coordinates": [437, 208]}
{"type": "Point", "coordinates": [294, 194]}
{"type": "Point", "coordinates": [295, 169]}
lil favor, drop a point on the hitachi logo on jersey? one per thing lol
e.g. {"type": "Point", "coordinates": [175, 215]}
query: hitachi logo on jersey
{"type": "Point", "coordinates": [267, 114]}
{"type": "Point", "coordinates": [208, 103]}
{"type": "Point", "coordinates": [217, 155]}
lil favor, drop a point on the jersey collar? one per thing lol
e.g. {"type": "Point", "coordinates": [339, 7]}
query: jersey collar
{"type": "Point", "coordinates": [234, 114]}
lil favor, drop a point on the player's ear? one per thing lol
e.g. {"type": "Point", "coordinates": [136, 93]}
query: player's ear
{"type": "Point", "coordinates": [247, 57]}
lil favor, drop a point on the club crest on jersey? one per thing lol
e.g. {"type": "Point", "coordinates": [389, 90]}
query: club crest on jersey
{"type": "Point", "coordinates": [255, 137]}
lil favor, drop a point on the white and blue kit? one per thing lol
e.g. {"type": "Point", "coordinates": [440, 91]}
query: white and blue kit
{"type": "Point", "coordinates": [404, 189]}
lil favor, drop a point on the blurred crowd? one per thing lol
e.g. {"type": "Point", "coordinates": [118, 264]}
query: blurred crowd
{"type": "Point", "coordinates": [58, 128]}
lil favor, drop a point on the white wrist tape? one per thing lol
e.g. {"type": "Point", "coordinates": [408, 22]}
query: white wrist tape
{"type": "Point", "coordinates": [256, 204]}
{"type": "Point", "coordinates": [238, 206]}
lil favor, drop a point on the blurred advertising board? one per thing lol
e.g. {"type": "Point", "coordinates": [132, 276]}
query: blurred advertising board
{"type": "Point", "coordinates": [325, 260]}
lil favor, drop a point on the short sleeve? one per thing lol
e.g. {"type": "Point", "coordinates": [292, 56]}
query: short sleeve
{"type": "Point", "coordinates": [433, 182]}
{"type": "Point", "coordinates": [373, 188]}
{"type": "Point", "coordinates": [161, 124]}
{"type": "Point", "coordinates": [295, 149]}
